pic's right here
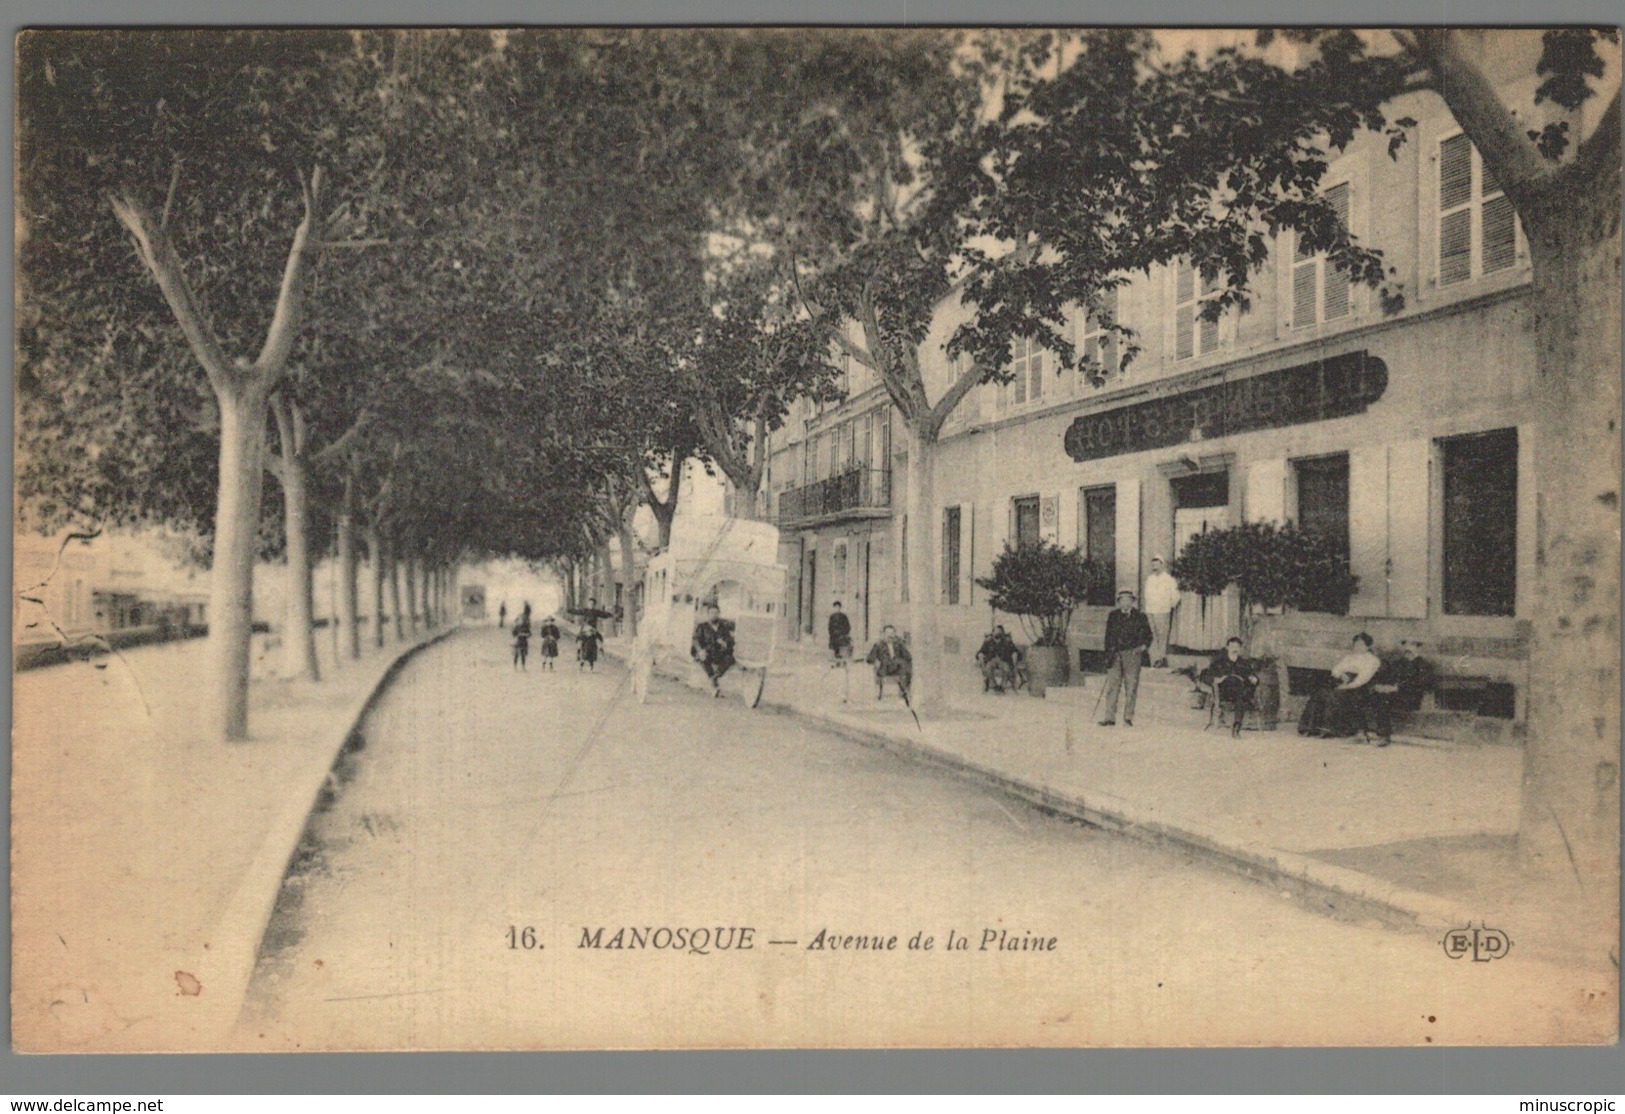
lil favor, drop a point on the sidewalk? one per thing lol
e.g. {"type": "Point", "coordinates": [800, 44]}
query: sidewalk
{"type": "Point", "coordinates": [146, 858]}
{"type": "Point", "coordinates": [1414, 834]}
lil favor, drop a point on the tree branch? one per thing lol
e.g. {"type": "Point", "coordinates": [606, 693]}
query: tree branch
{"type": "Point", "coordinates": [161, 260]}
{"type": "Point", "coordinates": [956, 393]}
{"type": "Point", "coordinates": [284, 326]}
{"type": "Point", "coordinates": [1500, 139]}
{"type": "Point", "coordinates": [287, 437]}
{"type": "Point", "coordinates": [343, 443]}
{"type": "Point", "coordinates": [1600, 153]}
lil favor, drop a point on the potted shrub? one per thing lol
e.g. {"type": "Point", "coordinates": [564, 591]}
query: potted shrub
{"type": "Point", "coordinates": [1041, 585]}
{"type": "Point", "coordinates": [1274, 567]}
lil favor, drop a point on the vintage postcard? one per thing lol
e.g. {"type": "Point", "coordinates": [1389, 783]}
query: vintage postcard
{"type": "Point", "coordinates": [637, 538]}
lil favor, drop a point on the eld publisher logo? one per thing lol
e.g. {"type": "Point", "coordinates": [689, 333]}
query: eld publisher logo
{"type": "Point", "coordinates": [1482, 943]}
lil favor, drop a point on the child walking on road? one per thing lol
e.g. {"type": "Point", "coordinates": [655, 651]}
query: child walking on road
{"type": "Point", "coordinates": [587, 642]}
{"type": "Point", "coordinates": [521, 643]}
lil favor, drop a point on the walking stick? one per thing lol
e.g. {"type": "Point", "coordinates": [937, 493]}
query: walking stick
{"type": "Point", "coordinates": [909, 704]}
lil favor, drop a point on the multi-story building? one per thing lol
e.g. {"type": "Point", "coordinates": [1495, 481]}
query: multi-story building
{"type": "Point", "coordinates": [829, 486]}
{"type": "Point", "coordinates": [1405, 437]}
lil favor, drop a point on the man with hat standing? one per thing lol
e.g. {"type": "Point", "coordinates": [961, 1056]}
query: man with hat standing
{"type": "Point", "coordinates": [1128, 633]}
{"type": "Point", "coordinates": [1161, 598]}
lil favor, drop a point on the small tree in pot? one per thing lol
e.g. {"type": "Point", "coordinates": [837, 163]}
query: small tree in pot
{"type": "Point", "coordinates": [1042, 584]}
{"type": "Point", "coordinates": [1274, 567]}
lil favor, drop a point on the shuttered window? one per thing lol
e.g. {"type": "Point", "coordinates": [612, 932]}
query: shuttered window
{"type": "Point", "coordinates": [1027, 527]}
{"type": "Point", "coordinates": [1027, 371]}
{"type": "Point", "coordinates": [1320, 291]}
{"type": "Point", "coordinates": [1478, 231]}
{"type": "Point", "coordinates": [1097, 344]}
{"type": "Point", "coordinates": [1099, 518]}
{"type": "Point", "coordinates": [1193, 336]}
{"type": "Point", "coordinates": [950, 554]}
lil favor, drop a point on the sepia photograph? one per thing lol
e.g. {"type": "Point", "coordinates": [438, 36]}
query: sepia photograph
{"type": "Point", "coordinates": [929, 537]}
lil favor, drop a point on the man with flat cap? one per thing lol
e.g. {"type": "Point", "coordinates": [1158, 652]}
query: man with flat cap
{"type": "Point", "coordinates": [1128, 633]}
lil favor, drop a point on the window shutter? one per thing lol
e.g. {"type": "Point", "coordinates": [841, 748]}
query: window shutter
{"type": "Point", "coordinates": [1184, 312]}
{"type": "Point", "coordinates": [1368, 529]}
{"type": "Point", "coordinates": [1128, 534]}
{"type": "Point", "coordinates": [1335, 282]}
{"type": "Point", "coordinates": [1035, 362]}
{"type": "Point", "coordinates": [1049, 518]}
{"type": "Point", "coordinates": [1455, 208]}
{"type": "Point", "coordinates": [1500, 232]}
{"type": "Point", "coordinates": [967, 561]}
{"type": "Point", "coordinates": [1303, 292]}
{"type": "Point", "coordinates": [1455, 247]}
{"type": "Point", "coordinates": [1455, 172]}
{"type": "Point", "coordinates": [1266, 491]}
{"type": "Point", "coordinates": [1410, 517]}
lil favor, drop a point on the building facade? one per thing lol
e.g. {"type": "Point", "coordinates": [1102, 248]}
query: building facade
{"type": "Point", "coordinates": [1404, 437]}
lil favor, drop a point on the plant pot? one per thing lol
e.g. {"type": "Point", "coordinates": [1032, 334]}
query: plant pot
{"type": "Point", "coordinates": [1047, 667]}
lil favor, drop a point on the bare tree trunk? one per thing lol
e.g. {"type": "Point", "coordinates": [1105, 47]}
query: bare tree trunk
{"type": "Point", "coordinates": [299, 639]}
{"type": "Point", "coordinates": [629, 573]}
{"type": "Point", "coordinates": [606, 567]}
{"type": "Point", "coordinates": [925, 644]}
{"type": "Point", "coordinates": [1570, 810]}
{"type": "Point", "coordinates": [375, 568]}
{"type": "Point", "coordinates": [236, 536]}
{"type": "Point", "coordinates": [411, 593]}
{"type": "Point", "coordinates": [426, 581]}
{"type": "Point", "coordinates": [348, 571]}
{"type": "Point", "coordinates": [393, 549]}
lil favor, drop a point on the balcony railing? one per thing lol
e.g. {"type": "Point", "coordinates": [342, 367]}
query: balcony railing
{"type": "Point", "coordinates": [858, 493]}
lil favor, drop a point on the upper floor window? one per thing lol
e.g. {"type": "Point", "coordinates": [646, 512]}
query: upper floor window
{"type": "Point", "coordinates": [1097, 345]}
{"type": "Point", "coordinates": [1478, 231]}
{"type": "Point", "coordinates": [1028, 371]}
{"type": "Point", "coordinates": [1320, 291]}
{"type": "Point", "coordinates": [1192, 335]}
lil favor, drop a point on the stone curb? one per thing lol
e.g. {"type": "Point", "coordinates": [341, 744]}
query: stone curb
{"type": "Point", "coordinates": [1325, 888]}
{"type": "Point", "coordinates": [249, 914]}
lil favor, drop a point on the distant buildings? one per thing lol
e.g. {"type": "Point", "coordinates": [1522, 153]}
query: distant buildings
{"type": "Point", "coordinates": [108, 591]}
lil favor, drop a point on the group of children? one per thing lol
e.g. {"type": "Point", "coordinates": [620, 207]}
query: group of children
{"type": "Point", "coordinates": [588, 641]}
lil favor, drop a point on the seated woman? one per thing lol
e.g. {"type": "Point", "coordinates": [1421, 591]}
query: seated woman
{"type": "Point", "coordinates": [1343, 709]}
{"type": "Point", "coordinates": [1232, 679]}
{"type": "Point", "coordinates": [997, 657]}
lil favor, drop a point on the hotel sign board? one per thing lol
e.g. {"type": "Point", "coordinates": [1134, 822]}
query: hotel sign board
{"type": "Point", "coordinates": [1338, 387]}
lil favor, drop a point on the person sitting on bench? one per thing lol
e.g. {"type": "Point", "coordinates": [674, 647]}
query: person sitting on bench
{"type": "Point", "coordinates": [1343, 709]}
{"type": "Point", "coordinates": [891, 659]}
{"type": "Point", "coordinates": [997, 657]}
{"type": "Point", "coordinates": [713, 646]}
{"type": "Point", "coordinates": [1232, 680]}
{"type": "Point", "coordinates": [1399, 686]}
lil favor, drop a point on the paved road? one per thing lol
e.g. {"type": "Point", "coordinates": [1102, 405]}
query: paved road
{"type": "Point", "coordinates": [488, 802]}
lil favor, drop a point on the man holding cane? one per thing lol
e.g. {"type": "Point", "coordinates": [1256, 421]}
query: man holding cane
{"type": "Point", "coordinates": [1128, 633]}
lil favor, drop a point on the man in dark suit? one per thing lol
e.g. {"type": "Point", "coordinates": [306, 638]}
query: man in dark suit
{"type": "Point", "coordinates": [891, 658]}
{"type": "Point", "coordinates": [713, 646]}
{"type": "Point", "coordinates": [1128, 635]}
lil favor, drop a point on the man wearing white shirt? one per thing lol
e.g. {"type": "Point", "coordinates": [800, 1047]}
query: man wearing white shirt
{"type": "Point", "coordinates": [1161, 598]}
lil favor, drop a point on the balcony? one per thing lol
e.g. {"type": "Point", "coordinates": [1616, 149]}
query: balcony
{"type": "Point", "coordinates": [858, 493]}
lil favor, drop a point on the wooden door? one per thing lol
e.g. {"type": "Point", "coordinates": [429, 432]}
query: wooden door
{"type": "Point", "coordinates": [1203, 624]}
